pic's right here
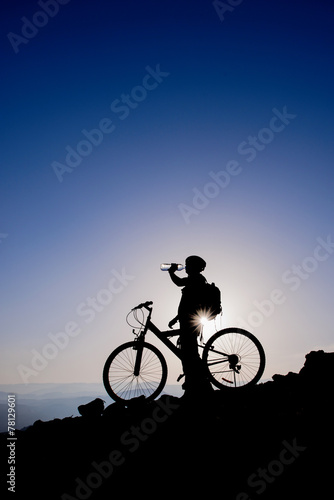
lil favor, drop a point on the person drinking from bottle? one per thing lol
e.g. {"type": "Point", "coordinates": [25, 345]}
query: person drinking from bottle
{"type": "Point", "coordinates": [188, 317]}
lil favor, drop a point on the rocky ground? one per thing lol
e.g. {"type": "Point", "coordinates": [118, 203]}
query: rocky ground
{"type": "Point", "coordinates": [273, 441]}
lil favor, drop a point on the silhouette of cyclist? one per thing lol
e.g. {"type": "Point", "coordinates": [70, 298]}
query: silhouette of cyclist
{"type": "Point", "coordinates": [188, 316]}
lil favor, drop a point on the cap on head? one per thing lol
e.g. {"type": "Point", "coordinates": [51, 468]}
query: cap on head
{"type": "Point", "coordinates": [196, 263]}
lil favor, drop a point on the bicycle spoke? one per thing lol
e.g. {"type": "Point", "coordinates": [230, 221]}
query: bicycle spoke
{"type": "Point", "coordinates": [217, 362]}
{"type": "Point", "coordinates": [234, 359]}
{"type": "Point", "coordinates": [120, 380]}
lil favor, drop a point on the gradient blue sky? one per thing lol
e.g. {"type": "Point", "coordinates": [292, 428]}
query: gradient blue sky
{"type": "Point", "coordinates": [120, 208]}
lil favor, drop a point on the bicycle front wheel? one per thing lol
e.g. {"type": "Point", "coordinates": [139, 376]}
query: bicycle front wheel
{"type": "Point", "coordinates": [234, 358]}
{"type": "Point", "coordinates": [119, 378]}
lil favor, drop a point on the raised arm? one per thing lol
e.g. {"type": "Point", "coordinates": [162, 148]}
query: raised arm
{"type": "Point", "coordinates": [176, 279]}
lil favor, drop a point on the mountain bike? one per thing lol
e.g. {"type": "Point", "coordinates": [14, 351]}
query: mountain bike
{"type": "Point", "coordinates": [233, 357]}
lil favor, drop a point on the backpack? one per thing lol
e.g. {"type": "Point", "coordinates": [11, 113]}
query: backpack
{"type": "Point", "coordinates": [211, 301]}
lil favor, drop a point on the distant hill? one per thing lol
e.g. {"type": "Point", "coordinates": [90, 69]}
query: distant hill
{"type": "Point", "coordinates": [49, 401]}
{"type": "Point", "coordinates": [272, 441]}
{"type": "Point", "coordinates": [45, 401]}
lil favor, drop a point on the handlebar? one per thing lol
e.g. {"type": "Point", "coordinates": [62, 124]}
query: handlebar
{"type": "Point", "coordinates": [143, 304]}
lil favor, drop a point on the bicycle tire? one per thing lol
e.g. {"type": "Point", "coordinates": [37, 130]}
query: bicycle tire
{"type": "Point", "coordinates": [234, 359]}
{"type": "Point", "coordinates": [119, 380]}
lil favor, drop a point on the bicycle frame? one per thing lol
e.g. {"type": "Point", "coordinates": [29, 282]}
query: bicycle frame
{"type": "Point", "coordinates": [232, 360]}
{"type": "Point", "coordinates": [162, 335]}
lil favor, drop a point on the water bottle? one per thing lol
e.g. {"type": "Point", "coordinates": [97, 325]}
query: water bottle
{"type": "Point", "coordinates": [165, 267]}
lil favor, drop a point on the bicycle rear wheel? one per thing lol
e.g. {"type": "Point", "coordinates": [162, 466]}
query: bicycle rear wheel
{"type": "Point", "coordinates": [119, 379]}
{"type": "Point", "coordinates": [234, 358]}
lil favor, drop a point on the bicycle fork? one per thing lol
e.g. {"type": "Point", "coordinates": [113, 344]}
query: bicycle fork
{"type": "Point", "coordinates": [139, 355]}
{"type": "Point", "coordinates": [140, 345]}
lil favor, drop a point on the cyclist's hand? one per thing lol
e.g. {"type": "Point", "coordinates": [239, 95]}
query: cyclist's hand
{"type": "Point", "coordinates": [172, 323]}
{"type": "Point", "coordinates": [173, 268]}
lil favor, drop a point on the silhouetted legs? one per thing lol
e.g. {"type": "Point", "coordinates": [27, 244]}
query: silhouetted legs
{"type": "Point", "coordinates": [195, 374]}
